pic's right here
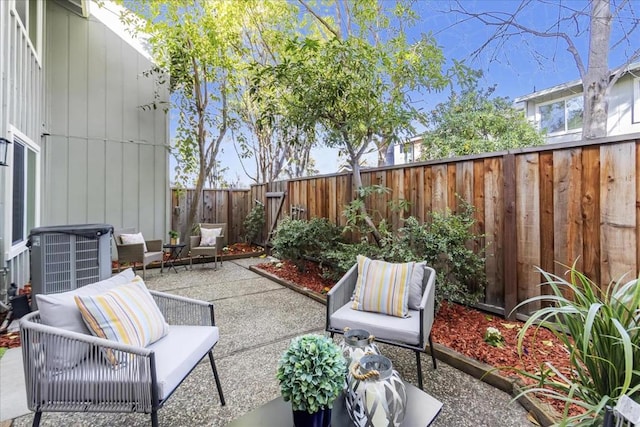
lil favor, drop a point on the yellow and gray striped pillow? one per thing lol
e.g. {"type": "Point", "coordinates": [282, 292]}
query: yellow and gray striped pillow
{"type": "Point", "coordinates": [382, 287]}
{"type": "Point", "coordinates": [126, 313]}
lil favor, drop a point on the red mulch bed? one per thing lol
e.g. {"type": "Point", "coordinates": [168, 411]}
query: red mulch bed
{"type": "Point", "coordinates": [12, 340]}
{"type": "Point", "coordinates": [462, 329]}
{"type": "Point", "coordinates": [311, 278]}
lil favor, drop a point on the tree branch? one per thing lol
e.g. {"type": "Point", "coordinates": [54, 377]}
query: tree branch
{"type": "Point", "coordinates": [320, 19]}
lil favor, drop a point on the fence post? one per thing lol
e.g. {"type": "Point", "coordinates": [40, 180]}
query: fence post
{"type": "Point", "coordinates": [510, 231]}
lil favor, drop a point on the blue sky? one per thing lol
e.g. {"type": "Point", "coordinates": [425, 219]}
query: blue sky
{"type": "Point", "coordinates": [517, 67]}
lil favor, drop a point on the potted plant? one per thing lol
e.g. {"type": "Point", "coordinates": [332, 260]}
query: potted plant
{"type": "Point", "coordinates": [311, 373]}
{"type": "Point", "coordinates": [173, 237]}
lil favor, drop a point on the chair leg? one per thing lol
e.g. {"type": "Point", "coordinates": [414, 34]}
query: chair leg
{"type": "Point", "coordinates": [331, 333]}
{"type": "Point", "coordinates": [154, 417]}
{"type": "Point", "coordinates": [419, 368]}
{"type": "Point", "coordinates": [144, 270]}
{"type": "Point", "coordinates": [36, 419]}
{"type": "Point", "coordinates": [433, 353]}
{"type": "Point", "coordinates": [217, 378]}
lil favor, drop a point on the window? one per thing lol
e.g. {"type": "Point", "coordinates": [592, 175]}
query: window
{"type": "Point", "coordinates": [561, 116]}
{"type": "Point", "coordinates": [636, 101]}
{"type": "Point", "coordinates": [24, 208]}
{"type": "Point", "coordinates": [408, 153]}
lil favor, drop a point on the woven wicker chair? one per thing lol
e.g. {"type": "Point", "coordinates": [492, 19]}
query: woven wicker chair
{"type": "Point", "coordinates": [412, 332]}
{"type": "Point", "coordinates": [625, 414]}
{"type": "Point", "coordinates": [149, 377]}
{"type": "Point", "coordinates": [197, 250]}
{"type": "Point", "coordinates": [134, 253]}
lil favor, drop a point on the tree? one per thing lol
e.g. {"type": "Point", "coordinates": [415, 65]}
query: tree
{"type": "Point", "coordinates": [572, 24]}
{"type": "Point", "coordinates": [350, 85]}
{"type": "Point", "coordinates": [472, 122]}
{"type": "Point", "coordinates": [199, 43]}
{"type": "Point", "coordinates": [276, 145]}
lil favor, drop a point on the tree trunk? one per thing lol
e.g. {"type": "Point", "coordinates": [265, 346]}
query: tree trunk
{"type": "Point", "coordinates": [357, 180]}
{"type": "Point", "coordinates": [596, 81]}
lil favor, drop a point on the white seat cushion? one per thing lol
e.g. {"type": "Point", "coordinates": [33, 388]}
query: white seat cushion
{"type": "Point", "coordinates": [401, 329]}
{"type": "Point", "coordinates": [179, 351]}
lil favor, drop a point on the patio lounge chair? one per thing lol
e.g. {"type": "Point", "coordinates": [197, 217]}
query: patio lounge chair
{"type": "Point", "coordinates": [67, 370]}
{"type": "Point", "coordinates": [199, 248]}
{"type": "Point", "coordinates": [144, 252]}
{"type": "Point", "coordinates": [412, 332]}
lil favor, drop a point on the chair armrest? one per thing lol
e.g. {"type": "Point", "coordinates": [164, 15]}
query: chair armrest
{"type": "Point", "coordinates": [194, 241]}
{"type": "Point", "coordinates": [179, 310]}
{"type": "Point", "coordinates": [154, 245]}
{"type": "Point", "coordinates": [133, 252]}
{"type": "Point", "coordinates": [220, 243]}
{"type": "Point", "coordinates": [50, 384]}
{"type": "Point", "coordinates": [341, 292]}
{"type": "Point", "coordinates": [428, 302]}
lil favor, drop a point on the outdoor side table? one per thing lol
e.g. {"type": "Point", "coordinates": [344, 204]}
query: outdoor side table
{"type": "Point", "coordinates": [174, 253]}
{"type": "Point", "coordinates": [422, 409]}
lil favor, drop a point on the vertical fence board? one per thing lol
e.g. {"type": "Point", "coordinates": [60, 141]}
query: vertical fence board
{"type": "Point", "coordinates": [397, 194]}
{"type": "Point", "coordinates": [463, 183]}
{"type": "Point", "coordinates": [547, 203]}
{"type": "Point", "coordinates": [439, 191]}
{"type": "Point", "coordinates": [618, 210]}
{"type": "Point", "coordinates": [428, 191]}
{"type": "Point", "coordinates": [494, 231]}
{"type": "Point", "coordinates": [452, 199]}
{"type": "Point", "coordinates": [478, 203]}
{"type": "Point", "coordinates": [419, 202]}
{"type": "Point", "coordinates": [528, 226]}
{"type": "Point", "coordinates": [591, 212]}
{"type": "Point", "coordinates": [332, 205]}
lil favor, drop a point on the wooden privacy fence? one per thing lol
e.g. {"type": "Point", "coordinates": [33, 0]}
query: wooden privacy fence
{"type": "Point", "coordinates": [230, 206]}
{"type": "Point", "coordinates": [536, 207]}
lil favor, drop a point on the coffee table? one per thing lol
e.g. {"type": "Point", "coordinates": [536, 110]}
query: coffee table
{"type": "Point", "coordinates": [422, 409]}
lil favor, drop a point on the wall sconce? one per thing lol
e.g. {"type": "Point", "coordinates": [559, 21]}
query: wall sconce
{"type": "Point", "coordinates": [4, 150]}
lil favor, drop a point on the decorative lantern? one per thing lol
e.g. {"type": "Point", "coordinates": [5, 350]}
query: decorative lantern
{"type": "Point", "coordinates": [376, 395]}
{"type": "Point", "coordinates": [357, 343]}
{"type": "Point", "coordinates": [4, 149]}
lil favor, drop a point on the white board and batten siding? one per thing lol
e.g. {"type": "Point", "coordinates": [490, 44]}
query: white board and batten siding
{"type": "Point", "coordinates": [106, 158]}
{"type": "Point", "coordinates": [21, 107]}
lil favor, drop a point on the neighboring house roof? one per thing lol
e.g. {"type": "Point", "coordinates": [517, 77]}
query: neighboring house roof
{"type": "Point", "coordinates": [574, 86]}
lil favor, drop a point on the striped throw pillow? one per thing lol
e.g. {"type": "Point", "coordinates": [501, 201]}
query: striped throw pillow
{"type": "Point", "coordinates": [382, 287]}
{"type": "Point", "coordinates": [127, 314]}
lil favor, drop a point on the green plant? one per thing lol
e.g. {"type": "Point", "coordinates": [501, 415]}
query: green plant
{"type": "Point", "coordinates": [254, 223]}
{"type": "Point", "coordinates": [444, 241]}
{"type": "Point", "coordinates": [493, 337]}
{"type": "Point", "coordinates": [296, 239]}
{"type": "Point", "coordinates": [311, 373]}
{"type": "Point", "coordinates": [173, 234]}
{"type": "Point", "coordinates": [601, 330]}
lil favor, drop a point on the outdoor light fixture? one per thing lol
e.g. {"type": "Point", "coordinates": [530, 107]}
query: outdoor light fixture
{"type": "Point", "coordinates": [4, 150]}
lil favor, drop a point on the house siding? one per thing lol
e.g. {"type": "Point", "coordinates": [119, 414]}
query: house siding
{"type": "Point", "coordinates": [21, 109]}
{"type": "Point", "coordinates": [105, 158]}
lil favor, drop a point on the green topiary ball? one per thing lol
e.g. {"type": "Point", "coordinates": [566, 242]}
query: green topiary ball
{"type": "Point", "coordinates": [311, 373]}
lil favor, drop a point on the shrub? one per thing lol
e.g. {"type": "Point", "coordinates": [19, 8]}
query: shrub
{"type": "Point", "coordinates": [601, 331]}
{"type": "Point", "coordinates": [344, 255]}
{"type": "Point", "coordinates": [444, 243]}
{"type": "Point", "coordinates": [254, 223]}
{"type": "Point", "coordinates": [296, 239]}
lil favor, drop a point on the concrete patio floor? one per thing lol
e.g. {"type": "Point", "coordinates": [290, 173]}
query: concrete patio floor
{"type": "Point", "coordinates": [257, 319]}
